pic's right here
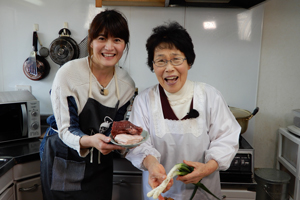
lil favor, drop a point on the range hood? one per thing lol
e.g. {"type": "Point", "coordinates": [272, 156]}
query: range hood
{"type": "Point", "coordinates": [214, 3]}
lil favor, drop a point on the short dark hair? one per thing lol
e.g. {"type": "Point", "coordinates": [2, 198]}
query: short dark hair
{"type": "Point", "coordinates": [171, 35]}
{"type": "Point", "coordinates": [113, 23]}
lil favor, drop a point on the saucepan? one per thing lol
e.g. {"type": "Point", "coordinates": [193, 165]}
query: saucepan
{"type": "Point", "coordinates": [36, 67]}
{"type": "Point", "coordinates": [243, 117]}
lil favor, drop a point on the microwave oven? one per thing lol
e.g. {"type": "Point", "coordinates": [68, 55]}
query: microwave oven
{"type": "Point", "coordinates": [19, 116]}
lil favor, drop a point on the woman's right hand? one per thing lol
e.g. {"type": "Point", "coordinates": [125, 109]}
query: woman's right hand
{"type": "Point", "coordinates": [157, 173]}
{"type": "Point", "coordinates": [100, 142]}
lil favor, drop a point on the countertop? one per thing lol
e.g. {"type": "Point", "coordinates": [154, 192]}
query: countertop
{"type": "Point", "coordinates": [18, 152]}
{"type": "Point", "coordinates": [24, 151]}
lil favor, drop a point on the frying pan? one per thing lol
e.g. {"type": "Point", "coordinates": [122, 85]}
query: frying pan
{"type": "Point", "coordinates": [43, 67]}
{"type": "Point", "coordinates": [64, 48]}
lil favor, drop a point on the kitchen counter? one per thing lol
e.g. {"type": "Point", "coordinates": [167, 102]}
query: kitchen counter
{"type": "Point", "coordinates": [14, 153]}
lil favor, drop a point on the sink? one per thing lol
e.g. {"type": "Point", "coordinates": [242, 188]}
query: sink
{"type": "Point", "coordinates": [4, 160]}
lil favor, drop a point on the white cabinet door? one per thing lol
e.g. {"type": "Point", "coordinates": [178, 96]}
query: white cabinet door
{"type": "Point", "coordinates": [6, 180]}
{"type": "Point", "coordinates": [8, 194]}
{"type": "Point", "coordinates": [29, 189]}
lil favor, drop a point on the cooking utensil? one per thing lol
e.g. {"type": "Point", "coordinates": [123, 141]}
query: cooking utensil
{"type": "Point", "coordinates": [42, 65]}
{"type": "Point", "coordinates": [64, 48]}
{"type": "Point", "coordinates": [43, 50]}
{"type": "Point", "coordinates": [30, 62]}
{"type": "Point", "coordinates": [243, 116]}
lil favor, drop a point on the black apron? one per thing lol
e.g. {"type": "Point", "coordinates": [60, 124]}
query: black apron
{"type": "Point", "coordinates": [66, 175]}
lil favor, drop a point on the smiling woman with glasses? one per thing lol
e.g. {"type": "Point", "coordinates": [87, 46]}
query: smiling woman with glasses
{"type": "Point", "coordinates": [163, 62]}
{"type": "Point", "coordinates": [188, 121]}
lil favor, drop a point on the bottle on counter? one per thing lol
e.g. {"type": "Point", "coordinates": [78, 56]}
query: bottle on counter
{"type": "Point", "coordinates": [131, 103]}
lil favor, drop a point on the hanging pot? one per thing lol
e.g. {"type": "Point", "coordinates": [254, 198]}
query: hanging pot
{"type": "Point", "coordinates": [42, 67]}
{"type": "Point", "coordinates": [64, 48]}
{"type": "Point", "coordinates": [243, 116]}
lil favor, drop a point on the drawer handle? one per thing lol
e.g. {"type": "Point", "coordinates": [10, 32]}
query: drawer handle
{"type": "Point", "coordinates": [34, 187]}
{"type": "Point", "coordinates": [119, 183]}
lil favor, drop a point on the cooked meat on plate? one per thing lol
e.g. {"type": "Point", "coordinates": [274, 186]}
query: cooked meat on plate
{"type": "Point", "coordinates": [124, 132]}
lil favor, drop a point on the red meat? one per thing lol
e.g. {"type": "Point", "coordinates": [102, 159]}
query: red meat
{"type": "Point", "coordinates": [121, 127]}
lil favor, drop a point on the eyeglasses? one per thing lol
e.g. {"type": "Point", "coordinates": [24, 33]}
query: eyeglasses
{"type": "Point", "coordinates": [163, 62]}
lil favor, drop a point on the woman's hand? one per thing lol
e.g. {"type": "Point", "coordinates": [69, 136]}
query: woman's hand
{"type": "Point", "coordinates": [201, 170]}
{"type": "Point", "coordinates": [100, 142]}
{"type": "Point", "coordinates": [157, 173]}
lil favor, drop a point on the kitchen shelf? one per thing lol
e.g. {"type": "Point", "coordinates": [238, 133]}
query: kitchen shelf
{"type": "Point", "coordinates": [153, 3]}
{"type": "Point", "coordinates": [289, 159]}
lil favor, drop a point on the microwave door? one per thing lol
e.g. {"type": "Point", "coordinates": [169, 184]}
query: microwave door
{"type": "Point", "coordinates": [25, 119]}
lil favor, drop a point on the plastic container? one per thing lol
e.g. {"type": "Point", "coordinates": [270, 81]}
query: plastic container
{"type": "Point", "coordinates": [272, 184]}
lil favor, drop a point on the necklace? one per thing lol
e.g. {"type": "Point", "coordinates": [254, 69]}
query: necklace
{"type": "Point", "coordinates": [103, 91]}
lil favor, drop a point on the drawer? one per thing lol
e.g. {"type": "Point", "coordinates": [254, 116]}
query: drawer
{"type": "Point", "coordinates": [127, 187]}
{"type": "Point", "coordinates": [29, 189]}
{"type": "Point", "coordinates": [25, 170]}
{"type": "Point", "coordinates": [238, 194]}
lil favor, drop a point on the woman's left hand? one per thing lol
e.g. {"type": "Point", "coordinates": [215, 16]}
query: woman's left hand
{"type": "Point", "coordinates": [201, 170]}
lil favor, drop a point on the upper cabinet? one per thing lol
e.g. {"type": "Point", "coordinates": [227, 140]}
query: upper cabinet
{"type": "Point", "coordinates": [191, 3]}
{"type": "Point", "coordinates": [155, 3]}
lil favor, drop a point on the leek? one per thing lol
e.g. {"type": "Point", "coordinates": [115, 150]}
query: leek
{"type": "Point", "coordinates": [180, 169]}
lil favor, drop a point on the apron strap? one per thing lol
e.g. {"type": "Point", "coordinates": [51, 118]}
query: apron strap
{"type": "Point", "coordinates": [90, 95]}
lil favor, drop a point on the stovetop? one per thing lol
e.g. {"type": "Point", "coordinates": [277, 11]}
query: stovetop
{"type": "Point", "coordinates": [242, 166]}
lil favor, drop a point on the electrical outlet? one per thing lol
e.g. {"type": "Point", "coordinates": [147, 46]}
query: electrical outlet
{"type": "Point", "coordinates": [23, 87]}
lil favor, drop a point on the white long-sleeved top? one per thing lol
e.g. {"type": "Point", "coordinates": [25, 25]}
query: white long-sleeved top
{"type": "Point", "coordinates": [212, 135]}
{"type": "Point", "coordinates": [72, 80]}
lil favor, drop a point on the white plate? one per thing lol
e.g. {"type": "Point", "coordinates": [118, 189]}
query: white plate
{"type": "Point", "coordinates": [145, 135]}
{"type": "Point", "coordinates": [294, 129]}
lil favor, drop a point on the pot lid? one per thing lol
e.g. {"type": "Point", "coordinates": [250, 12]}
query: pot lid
{"type": "Point", "coordinates": [240, 113]}
{"type": "Point", "coordinates": [271, 175]}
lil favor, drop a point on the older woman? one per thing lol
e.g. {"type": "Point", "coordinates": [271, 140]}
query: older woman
{"type": "Point", "coordinates": [188, 121]}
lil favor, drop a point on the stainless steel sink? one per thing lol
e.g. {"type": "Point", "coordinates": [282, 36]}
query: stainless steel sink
{"type": "Point", "coordinates": [3, 161]}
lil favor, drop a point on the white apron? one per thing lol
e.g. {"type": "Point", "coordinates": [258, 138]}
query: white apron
{"type": "Point", "coordinates": [179, 140]}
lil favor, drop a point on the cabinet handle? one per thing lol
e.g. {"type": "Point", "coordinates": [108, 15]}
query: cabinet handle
{"type": "Point", "coordinates": [34, 187]}
{"type": "Point", "coordinates": [224, 197]}
{"type": "Point", "coordinates": [119, 183]}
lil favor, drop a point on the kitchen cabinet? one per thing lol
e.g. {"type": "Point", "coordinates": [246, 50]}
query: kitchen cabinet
{"type": "Point", "coordinates": [154, 3]}
{"type": "Point", "coordinates": [8, 194]}
{"type": "Point", "coordinates": [127, 180]}
{"type": "Point", "coordinates": [238, 194]}
{"type": "Point", "coordinates": [127, 186]}
{"type": "Point", "coordinates": [27, 182]}
{"type": "Point", "coordinates": [6, 186]}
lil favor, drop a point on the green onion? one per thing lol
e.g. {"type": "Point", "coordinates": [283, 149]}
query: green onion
{"type": "Point", "coordinates": [184, 170]}
{"type": "Point", "coordinates": [180, 169]}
